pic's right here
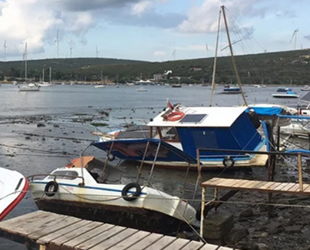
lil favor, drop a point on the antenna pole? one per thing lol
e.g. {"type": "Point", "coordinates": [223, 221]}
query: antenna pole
{"type": "Point", "coordinates": [215, 58]}
{"type": "Point", "coordinates": [232, 56]}
{"type": "Point", "coordinates": [25, 61]}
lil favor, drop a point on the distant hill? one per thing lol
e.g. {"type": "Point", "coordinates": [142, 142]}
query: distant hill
{"type": "Point", "coordinates": [273, 68]}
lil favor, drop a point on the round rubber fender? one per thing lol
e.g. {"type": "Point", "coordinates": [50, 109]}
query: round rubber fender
{"type": "Point", "coordinates": [175, 116]}
{"type": "Point", "coordinates": [111, 157]}
{"type": "Point", "coordinates": [134, 195]}
{"type": "Point", "coordinates": [51, 188]}
{"type": "Point", "coordinates": [228, 162]}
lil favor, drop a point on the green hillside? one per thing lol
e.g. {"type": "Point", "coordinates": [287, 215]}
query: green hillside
{"type": "Point", "coordinates": [272, 68]}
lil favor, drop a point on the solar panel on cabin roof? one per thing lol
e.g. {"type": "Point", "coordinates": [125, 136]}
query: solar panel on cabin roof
{"type": "Point", "coordinates": [193, 118]}
{"type": "Point", "coordinates": [306, 97]}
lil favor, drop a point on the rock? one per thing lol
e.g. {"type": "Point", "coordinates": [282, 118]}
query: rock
{"type": "Point", "coordinates": [273, 227]}
{"type": "Point", "coordinates": [236, 235]}
{"type": "Point", "coordinates": [39, 125]}
{"type": "Point", "coordinates": [246, 213]}
{"type": "Point", "coordinates": [259, 246]}
{"type": "Point", "coordinates": [293, 229]}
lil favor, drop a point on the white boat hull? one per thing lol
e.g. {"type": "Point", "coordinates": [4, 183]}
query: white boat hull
{"type": "Point", "coordinates": [13, 187]}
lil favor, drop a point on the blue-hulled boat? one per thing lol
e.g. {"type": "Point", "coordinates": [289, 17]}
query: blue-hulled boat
{"type": "Point", "coordinates": [286, 94]}
{"type": "Point", "coordinates": [228, 89]}
{"type": "Point", "coordinates": [187, 129]}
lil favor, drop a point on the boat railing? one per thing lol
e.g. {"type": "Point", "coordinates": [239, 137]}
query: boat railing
{"type": "Point", "coordinates": [32, 177]}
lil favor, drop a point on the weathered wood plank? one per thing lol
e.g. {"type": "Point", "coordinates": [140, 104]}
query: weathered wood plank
{"type": "Point", "coordinates": [61, 229]}
{"type": "Point", "coordinates": [274, 185]}
{"type": "Point", "coordinates": [259, 185]}
{"type": "Point", "coordinates": [92, 242]}
{"type": "Point", "coordinates": [177, 244]}
{"type": "Point", "coordinates": [209, 247]}
{"type": "Point", "coordinates": [294, 188]}
{"type": "Point", "coordinates": [75, 233]}
{"type": "Point", "coordinates": [147, 241]}
{"type": "Point", "coordinates": [71, 244]}
{"type": "Point", "coordinates": [123, 235]}
{"type": "Point", "coordinates": [161, 243]}
{"type": "Point", "coordinates": [266, 186]}
{"type": "Point", "coordinates": [15, 221]}
{"type": "Point", "coordinates": [280, 187]}
{"type": "Point", "coordinates": [193, 245]}
{"type": "Point", "coordinates": [287, 187]}
{"type": "Point", "coordinates": [130, 241]}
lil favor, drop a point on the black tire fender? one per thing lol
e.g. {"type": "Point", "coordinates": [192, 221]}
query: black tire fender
{"type": "Point", "coordinates": [134, 195]}
{"type": "Point", "coordinates": [51, 188]}
{"type": "Point", "coordinates": [228, 162]}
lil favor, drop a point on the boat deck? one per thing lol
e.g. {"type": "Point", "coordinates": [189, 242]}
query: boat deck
{"type": "Point", "coordinates": [50, 231]}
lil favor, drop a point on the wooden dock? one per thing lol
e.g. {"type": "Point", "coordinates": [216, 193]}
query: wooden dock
{"type": "Point", "coordinates": [264, 186]}
{"type": "Point", "coordinates": [50, 231]}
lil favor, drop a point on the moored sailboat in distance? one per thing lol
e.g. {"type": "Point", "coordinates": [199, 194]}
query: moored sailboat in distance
{"type": "Point", "coordinates": [31, 86]}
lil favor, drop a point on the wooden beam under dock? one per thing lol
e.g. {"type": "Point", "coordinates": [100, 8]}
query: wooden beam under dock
{"type": "Point", "coordinates": [50, 231]}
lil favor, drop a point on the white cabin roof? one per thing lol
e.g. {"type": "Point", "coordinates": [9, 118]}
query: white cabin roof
{"type": "Point", "coordinates": [214, 117]}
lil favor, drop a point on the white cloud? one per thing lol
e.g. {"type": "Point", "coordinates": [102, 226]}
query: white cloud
{"type": "Point", "coordinates": [202, 19]}
{"type": "Point", "coordinates": [140, 7]}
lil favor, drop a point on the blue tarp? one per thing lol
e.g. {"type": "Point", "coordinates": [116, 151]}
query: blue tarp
{"type": "Point", "coordinates": [270, 111]}
{"type": "Point", "coordinates": [135, 149]}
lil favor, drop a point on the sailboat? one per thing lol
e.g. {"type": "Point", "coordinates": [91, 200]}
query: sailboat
{"type": "Point", "coordinates": [46, 84]}
{"type": "Point", "coordinates": [227, 88]}
{"type": "Point", "coordinates": [31, 86]}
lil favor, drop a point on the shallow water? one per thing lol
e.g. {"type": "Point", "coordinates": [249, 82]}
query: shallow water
{"type": "Point", "coordinates": [49, 147]}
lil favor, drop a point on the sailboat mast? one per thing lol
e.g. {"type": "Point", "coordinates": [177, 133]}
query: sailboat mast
{"type": "Point", "coordinates": [232, 56]}
{"type": "Point", "coordinates": [50, 74]}
{"type": "Point", "coordinates": [25, 62]}
{"type": "Point", "coordinates": [215, 58]}
{"type": "Point", "coordinates": [43, 75]}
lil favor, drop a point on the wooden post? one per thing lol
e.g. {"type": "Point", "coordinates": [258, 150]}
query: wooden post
{"type": "Point", "coordinates": [300, 172]}
{"type": "Point", "coordinates": [203, 194]}
{"type": "Point", "coordinates": [198, 165]}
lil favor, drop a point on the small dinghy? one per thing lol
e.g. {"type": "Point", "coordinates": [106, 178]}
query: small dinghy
{"type": "Point", "coordinates": [13, 187]}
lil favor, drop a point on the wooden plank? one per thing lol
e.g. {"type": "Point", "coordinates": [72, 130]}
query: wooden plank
{"type": "Point", "coordinates": [307, 190]}
{"type": "Point", "coordinates": [274, 185]}
{"type": "Point", "coordinates": [287, 187]}
{"type": "Point", "coordinates": [283, 185]}
{"type": "Point", "coordinates": [294, 188]}
{"type": "Point", "coordinates": [61, 229]}
{"type": "Point", "coordinates": [240, 183]}
{"type": "Point", "coordinates": [219, 182]}
{"type": "Point", "coordinates": [177, 244]}
{"type": "Point", "coordinates": [14, 222]}
{"type": "Point", "coordinates": [249, 184]}
{"type": "Point", "coordinates": [123, 235]}
{"type": "Point", "coordinates": [26, 227]}
{"type": "Point", "coordinates": [130, 241]}
{"type": "Point", "coordinates": [100, 238]}
{"type": "Point", "coordinates": [267, 185]}
{"type": "Point", "coordinates": [86, 236]}
{"type": "Point", "coordinates": [162, 243]}
{"type": "Point", "coordinates": [305, 186]}
{"type": "Point", "coordinates": [223, 183]}
{"type": "Point", "coordinates": [193, 245]}
{"type": "Point", "coordinates": [259, 185]}
{"type": "Point", "coordinates": [52, 226]}
{"type": "Point", "coordinates": [210, 182]}
{"type": "Point", "coordinates": [209, 247]}
{"type": "Point", "coordinates": [80, 230]}
{"type": "Point", "coordinates": [147, 241]}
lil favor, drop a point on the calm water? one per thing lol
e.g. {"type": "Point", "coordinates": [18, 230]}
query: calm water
{"type": "Point", "coordinates": [63, 102]}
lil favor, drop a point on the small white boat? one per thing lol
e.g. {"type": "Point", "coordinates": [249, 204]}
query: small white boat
{"type": "Point", "coordinates": [305, 88]}
{"type": "Point", "coordinates": [287, 94]}
{"type": "Point", "coordinates": [90, 189]}
{"type": "Point", "coordinates": [13, 187]}
{"type": "Point", "coordinates": [29, 87]}
{"type": "Point", "coordinates": [99, 86]}
{"type": "Point", "coordinates": [141, 89]}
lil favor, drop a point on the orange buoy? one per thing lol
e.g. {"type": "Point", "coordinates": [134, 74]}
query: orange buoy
{"type": "Point", "coordinates": [175, 116]}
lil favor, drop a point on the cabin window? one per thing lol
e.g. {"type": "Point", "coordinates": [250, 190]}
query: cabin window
{"type": "Point", "coordinates": [193, 118]}
{"type": "Point", "coordinates": [64, 175]}
{"type": "Point", "coordinates": [169, 134]}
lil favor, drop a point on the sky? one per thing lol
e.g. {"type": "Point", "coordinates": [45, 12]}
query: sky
{"type": "Point", "coordinates": [150, 30]}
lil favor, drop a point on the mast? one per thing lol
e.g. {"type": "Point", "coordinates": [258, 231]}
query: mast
{"type": "Point", "coordinates": [50, 75]}
{"type": "Point", "coordinates": [215, 58]}
{"type": "Point", "coordinates": [25, 62]}
{"type": "Point", "coordinates": [43, 75]}
{"type": "Point", "coordinates": [232, 56]}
